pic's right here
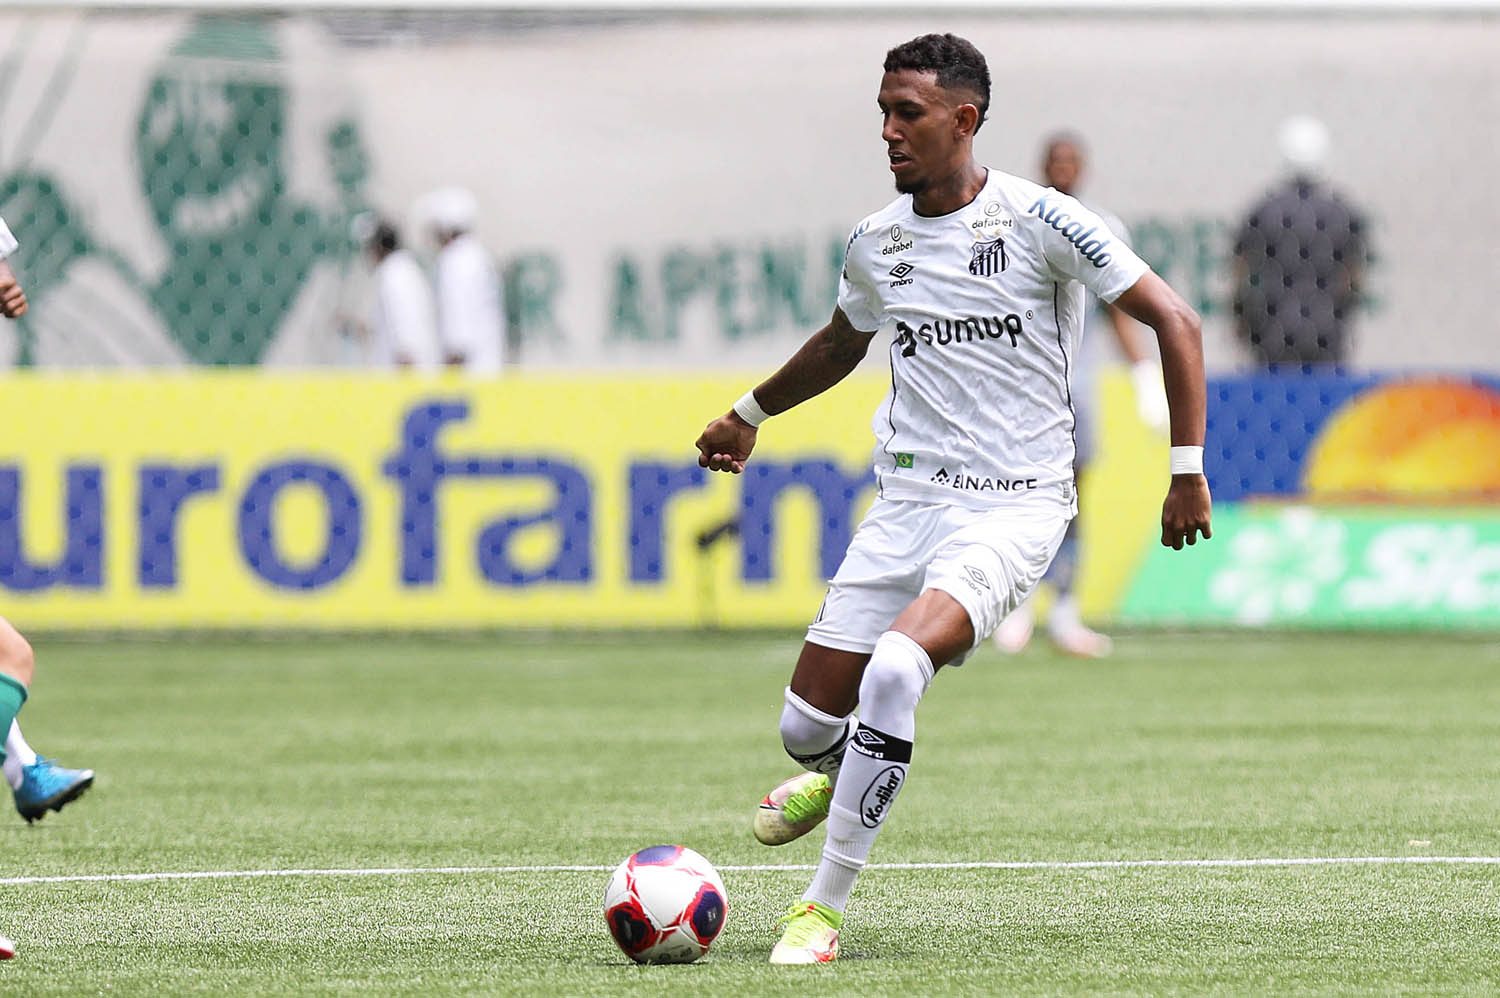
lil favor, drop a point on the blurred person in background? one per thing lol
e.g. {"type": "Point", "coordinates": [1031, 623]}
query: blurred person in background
{"type": "Point", "coordinates": [38, 784]}
{"type": "Point", "coordinates": [1064, 158]}
{"type": "Point", "coordinates": [1299, 258]}
{"type": "Point", "coordinates": [403, 329]}
{"type": "Point", "coordinates": [470, 309]}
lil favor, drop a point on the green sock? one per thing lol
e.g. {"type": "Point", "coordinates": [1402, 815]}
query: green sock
{"type": "Point", "coordinates": [12, 696]}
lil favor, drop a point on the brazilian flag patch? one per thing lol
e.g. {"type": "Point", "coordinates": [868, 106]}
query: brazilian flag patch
{"type": "Point", "coordinates": [904, 460]}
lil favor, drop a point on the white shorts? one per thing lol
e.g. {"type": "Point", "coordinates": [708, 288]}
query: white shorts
{"type": "Point", "coordinates": [988, 560]}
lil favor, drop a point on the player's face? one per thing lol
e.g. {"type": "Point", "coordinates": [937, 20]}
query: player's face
{"type": "Point", "coordinates": [923, 135]}
{"type": "Point", "coordinates": [1063, 166]}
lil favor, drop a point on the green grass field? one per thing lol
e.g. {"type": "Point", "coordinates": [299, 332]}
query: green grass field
{"type": "Point", "coordinates": [350, 754]}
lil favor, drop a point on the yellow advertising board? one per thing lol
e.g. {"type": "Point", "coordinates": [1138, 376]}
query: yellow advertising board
{"type": "Point", "coordinates": [247, 500]}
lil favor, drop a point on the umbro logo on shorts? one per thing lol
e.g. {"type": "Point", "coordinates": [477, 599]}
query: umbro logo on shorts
{"type": "Point", "coordinates": [977, 576]}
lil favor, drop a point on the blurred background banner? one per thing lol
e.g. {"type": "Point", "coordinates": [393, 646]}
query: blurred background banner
{"type": "Point", "coordinates": [236, 499]}
{"type": "Point", "coordinates": [668, 197]}
{"type": "Point", "coordinates": [1329, 566]}
{"type": "Point", "coordinates": [1421, 458]}
{"type": "Point", "coordinates": [675, 190]}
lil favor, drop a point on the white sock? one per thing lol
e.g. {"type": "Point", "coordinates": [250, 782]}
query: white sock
{"type": "Point", "coordinates": [875, 764]}
{"type": "Point", "coordinates": [17, 755]}
{"type": "Point", "coordinates": [1064, 615]}
{"type": "Point", "coordinates": [813, 738]}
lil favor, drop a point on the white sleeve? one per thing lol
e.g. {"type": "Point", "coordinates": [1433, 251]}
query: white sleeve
{"type": "Point", "coordinates": [857, 299]}
{"type": "Point", "coordinates": [1079, 246]}
{"type": "Point", "coordinates": [8, 243]}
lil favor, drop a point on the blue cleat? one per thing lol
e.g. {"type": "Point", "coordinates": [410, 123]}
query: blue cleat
{"type": "Point", "coordinates": [46, 786]}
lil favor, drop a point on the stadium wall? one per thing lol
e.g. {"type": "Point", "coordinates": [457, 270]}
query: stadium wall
{"type": "Point", "coordinates": [673, 192]}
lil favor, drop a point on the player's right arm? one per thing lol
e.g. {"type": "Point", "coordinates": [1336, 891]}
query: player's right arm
{"type": "Point", "coordinates": [827, 358]}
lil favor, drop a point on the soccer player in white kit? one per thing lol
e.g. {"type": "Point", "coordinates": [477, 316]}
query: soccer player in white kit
{"type": "Point", "coordinates": [976, 279]}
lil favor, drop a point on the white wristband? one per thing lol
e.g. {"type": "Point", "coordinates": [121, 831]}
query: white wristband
{"type": "Point", "coordinates": [1187, 460]}
{"type": "Point", "coordinates": [749, 410]}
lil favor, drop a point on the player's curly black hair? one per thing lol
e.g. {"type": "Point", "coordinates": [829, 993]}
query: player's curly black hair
{"type": "Point", "coordinates": [957, 63]}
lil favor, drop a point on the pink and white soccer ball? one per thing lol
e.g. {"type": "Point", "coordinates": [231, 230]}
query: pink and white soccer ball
{"type": "Point", "coordinates": [665, 904]}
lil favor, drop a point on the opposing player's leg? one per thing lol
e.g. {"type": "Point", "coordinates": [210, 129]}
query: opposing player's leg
{"type": "Point", "coordinates": [974, 578]}
{"type": "Point", "coordinates": [17, 665]}
{"type": "Point", "coordinates": [40, 784]}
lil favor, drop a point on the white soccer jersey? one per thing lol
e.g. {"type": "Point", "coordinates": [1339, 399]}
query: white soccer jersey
{"type": "Point", "coordinates": [983, 307]}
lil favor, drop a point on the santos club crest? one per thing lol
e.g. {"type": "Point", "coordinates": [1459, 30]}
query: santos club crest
{"type": "Point", "coordinates": [988, 258]}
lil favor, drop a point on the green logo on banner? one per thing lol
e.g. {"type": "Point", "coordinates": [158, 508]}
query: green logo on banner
{"type": "Point", "coordinates": [904, 460]}
{"type": "Point", "coordinates": [214, 169]}
{"type": "Point", "coordinates": [1329, 566]}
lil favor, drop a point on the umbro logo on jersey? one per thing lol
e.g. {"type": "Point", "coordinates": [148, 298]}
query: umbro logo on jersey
{"type": "Point", "coordinates": [988, 258]}
{"type": "Point", "coordinates": [899, 274]}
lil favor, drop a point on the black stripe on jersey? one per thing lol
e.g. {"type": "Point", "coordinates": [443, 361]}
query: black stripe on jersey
{"type": "Point", "coordinates": [1067, 375]}
{"type": "Point", "coordinates": [891, 413]}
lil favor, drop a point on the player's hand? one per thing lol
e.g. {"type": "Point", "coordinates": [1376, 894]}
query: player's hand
{"type": "Point", "coordinates": [726, 443]}
{"type": "Point", "coordinates": [1186, 512]}
{"type": "Point", "coordinates": [12, 298]}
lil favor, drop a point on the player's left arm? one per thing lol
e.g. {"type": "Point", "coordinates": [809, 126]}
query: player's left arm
{"type": "Point", "coordinates": [12, 297]}
{"type": "Point", "coordinates": [1151, 300]}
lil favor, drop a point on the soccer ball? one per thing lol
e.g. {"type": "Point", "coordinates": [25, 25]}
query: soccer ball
{"type": "Point", "coordinates": [665, 904]}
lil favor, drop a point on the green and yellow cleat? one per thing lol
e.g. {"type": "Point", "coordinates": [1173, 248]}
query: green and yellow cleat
{"type": "Point", "coordinates": [793, 809]}
{"type": "Point", "coordinates": [811, 934]}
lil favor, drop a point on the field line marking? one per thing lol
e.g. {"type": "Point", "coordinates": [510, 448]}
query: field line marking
{"type": "Point", "coordinates": [1086, 864]}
